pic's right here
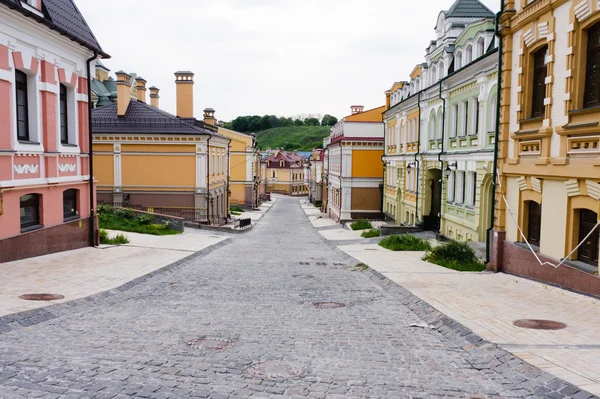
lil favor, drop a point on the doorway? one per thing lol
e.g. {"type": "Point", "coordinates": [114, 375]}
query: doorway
{"type": "Point", "coordinates": [588, 251]}
{"type": "Point", "coordinates": [534, 222]}
{"type": "Point", "coordinates": [434, 186]}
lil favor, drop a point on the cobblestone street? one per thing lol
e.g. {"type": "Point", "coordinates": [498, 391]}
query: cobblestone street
{"type": "Point", "coordinates": [240, 321]}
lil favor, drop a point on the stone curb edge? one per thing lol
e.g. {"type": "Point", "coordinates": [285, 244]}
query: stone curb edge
{"type": "Point", "coordinates": [32, 317]}
{"type": "Point", "coordinates": [528, 379]}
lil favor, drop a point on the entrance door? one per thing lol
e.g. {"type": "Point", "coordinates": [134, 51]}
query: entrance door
{"type": "Point", "coordinates": [588, 251]}
{"type": "Point", "coordinates": [534, 225]}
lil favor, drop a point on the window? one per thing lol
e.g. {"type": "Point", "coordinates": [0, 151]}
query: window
{"type": "Point", "coordinates": [476, 121]}
{"type": "Point", "coordinates": [469, 55]}
{"type": "Point", "coordinates": [441, 70]}
{"type": "Point", "coordinates": [451, 186]}
{"type": "Point", "coordinates": [454, 121]}
{"type": "Point", "coordinates": [70, 204]}
{"type": "Point", "coordinates": [460, 184]}
{"type": "Point", "coordinates": [30, 211]}
{"type": "Point", "coordinates": [472, 189]}
{"type": "Point", "coordinates": [458, 62]}
{"type": "Point", "coordinates": [465, 121]}
{"type": "Point", "coordinates": [480, 47]}
{"type": "Point", "coordinates": [64, 120]}
{"type": "Point", "coordinates": [22, 106]}
{"type": "Point", "coordinates": [540, 71]}
{"type": "Point", "coordinates": [591, 96]}
{"type": "Point", "coordinates": [534, 222]}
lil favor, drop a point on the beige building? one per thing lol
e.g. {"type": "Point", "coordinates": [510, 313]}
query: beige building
{"type": "Point", "coordinates": [285, 173]}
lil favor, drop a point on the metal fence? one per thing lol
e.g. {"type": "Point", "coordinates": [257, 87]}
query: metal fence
{"type": "Point", "coordinates": [242, 223]}
{"type": "Point", "coordinates": [188, 214]}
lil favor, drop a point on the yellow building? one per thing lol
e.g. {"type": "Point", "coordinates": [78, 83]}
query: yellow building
{"type": "Point", "coordinates": [549, 142]}
{"type": "Point", "coordinates": [285, 173]}
{"type": "Point", "coordinates": [147, 157]}
{"type": "Point", "coordinates": [355, 169]}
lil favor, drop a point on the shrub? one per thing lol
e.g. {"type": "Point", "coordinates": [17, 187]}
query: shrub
{"type": "Point", "coordinates": [140, 223]}
{"type": "Point", "coordinates": [361, 224]}
{"type": "Point", "coordinates": [105, 209]}
{"type": "Point", "coordinates": [236, 209]}
{"type": "Point", "coordinates": [119, 239]}
{"type": "Point", "coordinates": [371, 233]}
{"type": "Point", "coordinates": [405, 243]}
{"type": "Point", "coordinates": [125, 213]}
{"type": "Point", "coordinates": [318, 204]}
{"type": "Point", "coordinates": [456, 256]}
{"type": "Point", "coordinates": [144, 219]}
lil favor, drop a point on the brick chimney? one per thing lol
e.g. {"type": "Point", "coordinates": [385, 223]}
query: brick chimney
{"type": "Point", "coordinates": [140, 84]}
{"type": "Point", "coordinates": [357, 109]}
{"type": "Point", "coordinates": [209, 116]}
{"type": "Point", "coordinates": [154, 96]}
{"type": "Point", "coordinates": [388, 98]}
{"type": "Point", "coordinates": [184, 81]}
{"type": "Point", "coordinates": [123, 92]}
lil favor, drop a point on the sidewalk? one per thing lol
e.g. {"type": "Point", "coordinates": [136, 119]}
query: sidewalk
{"type": "Point", "coordinates": [489, 303]}
{"type": "Point", "coordinates": [88, 271]}
{"type": "Point", "coordinates": [255, 215]}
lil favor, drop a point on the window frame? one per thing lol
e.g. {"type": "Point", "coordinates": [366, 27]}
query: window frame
{"type": "Point", "coordinates": [22, 85]}
{"type": "Point", "coordinates": [74, 213]}
{"type": "Point", "coordinates": [589, 51]}
{"type": "Point", "coordinates": [64, 114]}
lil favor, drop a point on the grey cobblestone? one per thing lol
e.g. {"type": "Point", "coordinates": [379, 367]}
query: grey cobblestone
{"type": "Point", "coordinates": [131, 341]}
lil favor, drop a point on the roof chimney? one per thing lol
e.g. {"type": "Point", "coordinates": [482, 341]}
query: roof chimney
{"type": "Point", "coordinates": [357, 109]}
{"type": "Point", "coordinates": [184, 81]}
{"type": "Point", "coordinates": [209, 116]}
{"type": "Point", "coordinates": [140, 85]}
{"type": "Point", "coordinates": [123, 92]}
{"type": "Point", "coordinates": [388, 98]}
{"type": "Point", "coordinates": [154, 96]}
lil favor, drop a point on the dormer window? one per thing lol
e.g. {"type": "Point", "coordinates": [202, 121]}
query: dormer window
{"type": "Point", "coordinates": [481, 47]}
{"type": "Point", "coordinates": [458, 61]}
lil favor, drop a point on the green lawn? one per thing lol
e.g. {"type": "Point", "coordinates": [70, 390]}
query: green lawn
{"type": "Point", "coordinates": [293, 138]}
{"type": "Point", "coordinates": [128, 220]}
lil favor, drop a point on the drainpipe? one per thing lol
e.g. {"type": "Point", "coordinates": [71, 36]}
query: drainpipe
{"type": "Point", "coordinates": [440, 155]}
{"type": "Point", "coordinates": [208, 179]}
{"type": "Point", "coordinates": [228, 178]}
{"type": "Point", "coordinates": [91, 160]}
{"type": "Point", "coordinates": [497, 135]}
{"type": "Point", "coordinates": [416, 155]}
{"type": "Point", "coordinates": [384, 172]}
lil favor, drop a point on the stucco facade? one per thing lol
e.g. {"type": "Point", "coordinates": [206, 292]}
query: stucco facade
{"type": "Point", "coordinates": [285, 173]}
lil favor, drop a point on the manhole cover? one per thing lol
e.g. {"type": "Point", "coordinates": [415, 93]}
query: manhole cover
{"type": "Point", "coordinates": [329, 305]}
{"type": "Point", "coordinates": [41, 297]}
{"type": "Point", "coordinates": [303, 276]}
{"type": "Point", "coordinates": [275, 370]}
{"type": "Point", "coordinates": [210, 343]}
{"type": "Point", "coordinates": [540, 324]}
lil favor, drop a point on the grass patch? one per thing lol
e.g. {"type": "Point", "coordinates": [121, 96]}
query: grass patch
{"type": "Point", "coordinates": [405, 242]}
{"type": "Point", "coordinates": [293, 138]}
{"type": "Point", "coordinates": [119, 239]}
{"type": "Point", "coordinates": [371, 233]}
{"type": "Point", "coordinates": [362, 266]}
{"type": "Point", "coordinates": [127, 220]}
{"type": "Point", "coordinates": [456, 256]}
{"type": "Point", "coordinates": [236, 209]}
{"type": "Point", "coordinates": [235, 213]}
{"type": "Point", "coordinates": [361, 224]}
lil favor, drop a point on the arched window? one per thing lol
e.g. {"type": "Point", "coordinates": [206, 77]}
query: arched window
{"type": "Point", "coordinates": [469, 55]}
{"type": "Point", "coordinates": [440, 121]}
{"type": "Point", "coordinates": [70, 204]}
{"type": "Point", "coordinates": [30, 211]}
{"type": "Point", "coordinates": [432, 126]}
{"type": "Point", "coordinates": [491, 110]}
{"type": "Point", "coordinates": [458, 61]}
{"type": "Point", "coordinates": [591, 98]}
{"type": "Point", "coordinates": [442, 71]}
{"type": "Point", "coordinates": [480, 47]}
{"type": "Point", "coordinates": [433, 74]}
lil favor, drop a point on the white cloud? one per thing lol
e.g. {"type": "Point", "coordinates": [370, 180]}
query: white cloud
{"type": "Point", "coordinates": [279, 57]}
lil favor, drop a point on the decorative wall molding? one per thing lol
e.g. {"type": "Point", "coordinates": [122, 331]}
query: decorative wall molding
{"type": "Point", "coordinates": [583, 10]}
{"type": "Point", "coordinates": [572, 187]}
{"type": "Point", "coordinates": [522, 183]}
{"type": "Point", "coordinates": [593, 188]}
{"type": "Point", "coordinates": [536, 185]}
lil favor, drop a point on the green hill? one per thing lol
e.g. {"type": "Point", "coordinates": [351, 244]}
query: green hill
{"type": "Point", "coordinates": [293, 138]}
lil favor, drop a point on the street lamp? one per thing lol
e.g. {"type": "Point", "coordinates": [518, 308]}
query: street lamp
{"type": "Point", "coordinates": [409, 167]}
{"type": "Point", "coordinates": [449, 168]}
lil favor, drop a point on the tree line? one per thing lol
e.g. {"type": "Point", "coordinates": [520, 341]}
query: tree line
{"type": "Point", "coordinates": [256, 123]}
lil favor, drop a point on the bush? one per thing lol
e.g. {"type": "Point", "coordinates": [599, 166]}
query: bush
{"type": "Point", "coordinates": [144, 219]}
{"type": "Point", "coordinates": [456, 256]}
{"type": "Point", "coordinates": [318, 204]}
{"type": "Point", "coordinates": [405, 243]}
{"type": "Point", "coordinates": [236, 209]}
{"type": "Point", "coordinates": [361, 224]}
{"type": "Point", "coordinates": [119, 239]}
{"type": "Point", "coordinates": [371, 233]}
{"type": "Point", "coordinates": [128, 220]}
{"type": "Point", "coordinates": [105, 209]}
{"type": "Point", "coordinates": [125, 213]}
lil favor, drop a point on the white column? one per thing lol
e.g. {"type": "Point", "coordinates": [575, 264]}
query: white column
{"type": "Point", "coordinates": [118, 174]}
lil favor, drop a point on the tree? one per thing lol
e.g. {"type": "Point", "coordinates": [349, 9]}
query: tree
{"type": "Point", "coordinates": [283, 122]}
{"type": "Point", "coordinates": [240, 124]}
{"type": "Point", "coordinates": [298, 122]}
{"type": "Point", "coordinates": [254, 123]}
{"type": "Point", "coordinates": [311, 122]}
{"type": "Point", "coordinates": [329, 120]}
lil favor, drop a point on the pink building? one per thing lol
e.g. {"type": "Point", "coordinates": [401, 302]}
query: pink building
{"type": "Point", "coordinates": [46, 49]}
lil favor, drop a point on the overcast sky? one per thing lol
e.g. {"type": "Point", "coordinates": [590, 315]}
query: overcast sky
{"type": "Point", "coordinates": [282, 57]}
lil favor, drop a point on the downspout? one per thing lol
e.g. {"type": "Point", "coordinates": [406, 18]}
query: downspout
{"type": "Point", "coordinates": [442, 153]}
{"type": "Point", "coordinates": [228, 178]}
{"type": "Point", "coordinates": [91, 159]}
{"type": "Point", "coordinates": [497, 135]}
{"type": "Point", "coordinates": [208, 179]}
{"type": "Point", "coordinates": [416, 155]}
{"type": "Point", "coordinates": [384, 172]}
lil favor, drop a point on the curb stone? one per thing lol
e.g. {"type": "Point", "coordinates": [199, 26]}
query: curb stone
{"type": "Point", "coordinates": [16, 321]}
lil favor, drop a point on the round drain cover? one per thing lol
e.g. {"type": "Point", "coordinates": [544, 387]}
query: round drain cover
{"type": "Point", "coordinates": [210, 343]}
{"type": "Point", "coordinates": [303, 276]}
{"type": "Point", "coordinates": [540, 324]}
{"type": "Point", "coordinates": [329, 305]}
{"type": "Point", "coordinates": [41, 297]}
{"type": "Point", "coordinates": [275, 370]}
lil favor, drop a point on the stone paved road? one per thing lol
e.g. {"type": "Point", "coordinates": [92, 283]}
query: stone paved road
{"type": "Point", "coordinates": [256, 292]}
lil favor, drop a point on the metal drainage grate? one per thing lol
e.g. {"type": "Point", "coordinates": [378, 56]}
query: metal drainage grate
{"type": "Point", "coordinates": [303, 276]}
{"type": "Point", "coordinates": [210, 343]}
{"type": "Point", "coordinates": [275, 370]}
{"type": "Point", "coordinates": [321, 264]}
{"type": "Point", "coordinates": [540, 324]}
{"type": "Point", "coordinates": [328, 305]}
{"type": "Point", "coordinates": [41, 297]}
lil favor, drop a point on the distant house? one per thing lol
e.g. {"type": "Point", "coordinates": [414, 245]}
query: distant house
{"type": "Point", "coordinates": [285, 173]}
{"type": "Point", "coordinates": [46, 49]}
{"type": "Point", "coordinates": [315, 178]}
{"type": "Point", "coordinates": [148, 157]}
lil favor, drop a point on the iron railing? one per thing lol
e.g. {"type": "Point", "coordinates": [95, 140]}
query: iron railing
{"type": "Point", "coordinates": [242, 223]}
{"type": "Point", "coordinates": [194, 215]}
